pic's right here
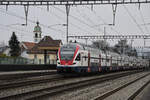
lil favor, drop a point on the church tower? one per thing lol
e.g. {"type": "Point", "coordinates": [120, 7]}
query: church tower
{"type": "Point", "coordinates": [37, 33]}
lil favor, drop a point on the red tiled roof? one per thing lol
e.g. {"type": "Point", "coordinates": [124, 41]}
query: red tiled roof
{"type": "Point", "coordinates": [47, 41]}
{"type": "Point", "coordinates": [29, 45]}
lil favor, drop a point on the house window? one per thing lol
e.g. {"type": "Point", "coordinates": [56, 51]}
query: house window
{"type": "Point", "coordinates": [36, 35]}
{"type": "Point", "coordinates": [107, 60]}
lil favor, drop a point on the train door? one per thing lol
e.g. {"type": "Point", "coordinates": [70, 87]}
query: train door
{"type": "Point", "coordinates": [108, 60]}
{"type": "Point", "coordinates": [84, 59]}
{"type": "Point", "coordinates": [102, 60]}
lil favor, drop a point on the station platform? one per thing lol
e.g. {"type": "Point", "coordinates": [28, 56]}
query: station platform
{"type": "Point", "coordinates": [24, 72]}
{"type": "Point", "coordinates": [13, 74]}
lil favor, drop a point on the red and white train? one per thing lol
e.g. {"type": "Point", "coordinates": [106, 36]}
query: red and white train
{"type": "Point", "coordinates": [75, 57]}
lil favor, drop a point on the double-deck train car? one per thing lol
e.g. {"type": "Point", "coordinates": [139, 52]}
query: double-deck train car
{"type": "Point", "coordinates": [75, 57]}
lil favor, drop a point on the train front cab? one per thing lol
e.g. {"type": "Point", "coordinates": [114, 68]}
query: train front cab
{"type": "Point", "coordinates": [77, 63]}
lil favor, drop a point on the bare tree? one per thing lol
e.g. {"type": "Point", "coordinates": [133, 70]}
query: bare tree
{"type": "Point", "coordinates": [123, 48]}
{"type": "Point", "coordinates": [101, 44]}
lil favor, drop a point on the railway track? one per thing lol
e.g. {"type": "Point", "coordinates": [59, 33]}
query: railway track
{"type": "Point", "coordinates": [133, 96]}
{"type": "Point", "coordinates": [111, 95]}
{"type": "Point", "coordinates": [30, 81]}
{"type": "Point", "coordinates": [54, 90]}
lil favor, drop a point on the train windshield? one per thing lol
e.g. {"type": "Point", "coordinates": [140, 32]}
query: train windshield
{"type": "Point", "coordinates": [67, 52]}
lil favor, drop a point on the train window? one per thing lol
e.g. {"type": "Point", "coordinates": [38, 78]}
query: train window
{"type": "Point", "coordinates": [107, 60]}
{"type": "Point", "coordinates": [68, 47]}
{"type": "Point", "coordinates": [83, 48]}
{"type": "Point", "coordinates": [85, 58]}
{"type": "Point", "coordinates": [102, 59]}
{"type": "Point", "coordinates": [67, 51]}
{"type": "Point", "coordinates": [57, 58]}
{"type": "Point", "coordinates": [67, 55]}
{"type": "Point", "coordinates": [78, 57]}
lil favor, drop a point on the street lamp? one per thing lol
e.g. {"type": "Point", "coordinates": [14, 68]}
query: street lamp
{"type": "Point", "coordinates": [16, 24]}
{"type": "Point", "coordinates": [57, 25]}
{"type": "Point", "coordinates": [146, 24]}
{"type": "Point", "coordinates": [102, 25]}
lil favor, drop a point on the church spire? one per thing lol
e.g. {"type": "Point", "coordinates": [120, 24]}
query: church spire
{"type": "Point", "coordinates": [37, 32]}
{"type": "Point", "coordinates": [37, 23]}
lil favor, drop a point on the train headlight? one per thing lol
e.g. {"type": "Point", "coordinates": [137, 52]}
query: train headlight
{"type": "Point", "coordinates": [74, 63]}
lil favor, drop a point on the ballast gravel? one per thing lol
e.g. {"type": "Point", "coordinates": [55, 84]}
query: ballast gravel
{"type": "Point", "coordinates": [91, 92]}
{"type": "Point", "coordinates": [28, 79]}
{"type": "Point", "coordinates": [29, 88]}
{"type": "Point", "coordinates": [128, 91]}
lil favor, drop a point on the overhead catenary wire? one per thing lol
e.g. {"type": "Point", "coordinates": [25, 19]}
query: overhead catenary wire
{"type": "Point", "coordinates": [46, 25]}
{"type": "Point", "coordinates": [15, 28]}
{"type": "Point", "coordinates": [84, 15]}
{"type": "Point", "coordinates": [134, 20]}
{"type": "Point", "coordinates": [76, 18]}
{"type": "Point", "coordinates": [21, 31]}
{"type": "Point", "coordinates": [8, 30]}
{"type": "Point", "coordinates": [101, 19]}
{"type": "Point", "coordinates": [31, 21]}
{"type": "Point", "coordinates": [15, 15]}
{"type": "Point", "coordinates": [143, 21]}
{"type": "Point", "coordinates": [34, 21]}
{"type": "Point", "coordinates": [60, 18]}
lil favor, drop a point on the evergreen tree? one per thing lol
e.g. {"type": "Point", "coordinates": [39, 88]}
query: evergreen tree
{"type": "Point", "coordinates": [14, 46]}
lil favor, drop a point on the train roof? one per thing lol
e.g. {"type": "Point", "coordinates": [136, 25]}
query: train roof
{"type": "Point", "coordinates": [90, 47]}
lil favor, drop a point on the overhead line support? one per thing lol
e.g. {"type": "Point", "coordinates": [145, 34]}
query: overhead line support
{"type": "Point", "coordinates": [67, 19]}
{"type": "Point", "coordinates": [26, 9]}
{"type": "Point", "coordinates": [6, 7]}
{"type": "Point", "coordinates": [47, 6]}
{"type": "Point", "coordinates": [69, 2]}
{"type": "Point", "coordinates": [111, 37]}
{"type": "Point", "coordinates": [114, 8]}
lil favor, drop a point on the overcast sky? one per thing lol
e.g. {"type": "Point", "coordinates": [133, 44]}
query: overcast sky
{"type": "Point", "coordinates": [82, 21]}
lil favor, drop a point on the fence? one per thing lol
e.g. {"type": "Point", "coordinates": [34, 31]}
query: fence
{"type": "Point", "coordinates": [41, 61]}
{"type": "Point", "coordinates": [7, 60]}
{"type": "Point", "coordinates": [18, 61]}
